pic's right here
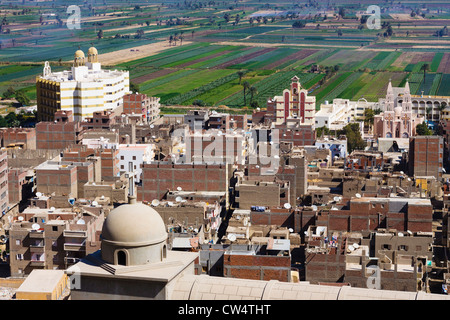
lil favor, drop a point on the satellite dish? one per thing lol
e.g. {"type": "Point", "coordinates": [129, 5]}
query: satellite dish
{"type": "Point", "coordinates": [179, 188]}
{"type": "Point", "coordinates": [155, 202]}
{"type": "Point", "coordinates": [336, 199]}
{"type": "Point", "coordinates": [291, 230]}
{"type": "Point", "coordinates": [3, 238]}
{"type": "Point", "coordinates": [51, 209]}
{"type": "Point", "coordinates": [178, 199]}
{"type": "Point", "coordinates": [102, 197]}
{"type": "Point", "coordinates": [314, 208]}
{"type": "Point", "coordinates": [152, 126]}
{"type": "Point", "coordinates": [38, 194]}
{"type": "Point", "coordinates": [20, 218]}
{"type": "Point", "coordinates": [358, 195]}
{"type": "Point", "coordinates": [400, 234]}
{"type": "Point", "coordinates": [170, 203]}
{"type": "Point", "coordinates": [81, 221]}
{"type": "Point", "coordinates": [350, 248]}
{"type": "Point", "coordinates": [287, 205]}
{"type": "Point", "coordinates": [355, 245]}
{"type": "Point", "coordinates": [94, 203]}
{"type": "Point", "coordinates": [196, 230]}
{"type": "Point", "coordinates": [35, 226]}
{"type": "Point", "coordinates": [231, 237]}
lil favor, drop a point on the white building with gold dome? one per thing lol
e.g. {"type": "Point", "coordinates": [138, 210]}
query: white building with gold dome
{"type": "Point", "coordinates": [84, 89]}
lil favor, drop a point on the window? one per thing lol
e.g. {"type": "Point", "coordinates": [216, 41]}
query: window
{"type": "Point", "coordinates": [17, 242]}
{"type": "Point", "coordinates": [386, 247]}
{"type": "Point", "coordinates": [55, 228]}
{"type": "Point", "coordinates": [134, 157]}
{"type": "Point", "coordinates": [19, 256]}
{"type": "Point", "coordinates": [402, 248]}
{"type": "Point", "coordinates": [122, 167]}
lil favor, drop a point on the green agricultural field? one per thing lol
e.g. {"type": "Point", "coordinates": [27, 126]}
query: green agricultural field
{"type": "Point", "coordinates": [228, 37]}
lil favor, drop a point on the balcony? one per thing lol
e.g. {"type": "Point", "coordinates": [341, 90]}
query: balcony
{"type": "Point", "coordinates": [37, 234]}
{"type": "Point", "coordinates": [75, 233]}
{"type": "Point", "coordinates": [37, 263]}
{"type": "Point", "coordinates": [75, 246]}
{"type": "Point", "coordinates": [40, 249]}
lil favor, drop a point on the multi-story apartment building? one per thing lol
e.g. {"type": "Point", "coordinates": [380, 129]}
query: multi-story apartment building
{"type": "Point", "coordinates": [426, 156]}
{"type": "Point", "coordinates": [85, 89]}
{"type": "Point", "coordinates": [51, 239]}
{"type": "Point", "coordinates": [139, 103]}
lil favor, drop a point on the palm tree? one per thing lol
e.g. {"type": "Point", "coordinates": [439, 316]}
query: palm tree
{"type": "Point", "coordinates": [240, 75]}
{"type": "Point", "coordinates": [425, 68]}
{"type": "Point", "coordinates": [253, 91]}
{"type": "Point", "coordinates": [246, 86]}
{"type": "Point", "coordinates": [441, 108]}
{"type": "Point", "coordinates": [428, 110]}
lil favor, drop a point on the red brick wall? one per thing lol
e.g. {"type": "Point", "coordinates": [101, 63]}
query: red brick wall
{"type": "Point", "coordinates": [257, 267]}
{"type": "Point", "coordinates": [157, 179]}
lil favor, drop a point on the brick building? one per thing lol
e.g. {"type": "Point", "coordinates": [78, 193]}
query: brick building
{"type": "Point", "coordinates": [99, 120]}
{"type": "Point", "coordinates": [106, 161]}
{"type": "Point", "coordinates": [59, 134]}
{"type": "Point", "coordinates": [138, 103]}
{"type": "Point", "coordinates": [24, 138]}
{"type": "Point", "coordinates": [426, 154]}
{"type": "Point", "coordinates": [20, 185]}
{"type": "Point", "coordinates": [368, 213]}
{"type": "Point", "coordinates": [64, 178]}
{"type": "Point", "coordinates": [159, 178]}
{"type": "Point", "coordinates": [4, 197]}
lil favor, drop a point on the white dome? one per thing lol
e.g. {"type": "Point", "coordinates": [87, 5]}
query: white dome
{"type": "Point", "coordinates": [134, 224]}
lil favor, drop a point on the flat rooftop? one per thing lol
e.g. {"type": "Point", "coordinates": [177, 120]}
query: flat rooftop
{"type": "Point", "coordinates": [41, 281]}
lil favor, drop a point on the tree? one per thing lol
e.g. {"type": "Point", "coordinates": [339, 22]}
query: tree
{"type": "Point", "coordinates": [423, 130]}
{"type": "Point", "coordinates": [428, 111]}
{"type": "Point", "coordinates": [246, 86]}
{"type": "Point", "coordinates": [240, 75]}
{"type": "Point", "coordinates": [237, 19]}
{"type": "Point", "coordinates": [100, 34]}
{"type": "Point", "coordinates": [253, 91]}
{"type": "Point", "coordinates": [134, 87]}
{"type": "Point", "coordinates": [298, 24]}
{"type": "Point", "coordinates": [425, 68]}
{"type": "Point", "coordinates": [22, 98]}
{"type": "Point", "coordinates": [9, 93]}
{"type": "Point", "coordinates": [354, 139]}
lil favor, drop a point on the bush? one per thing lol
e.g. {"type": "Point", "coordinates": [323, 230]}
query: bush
{"type": "Point", "coordinates": [198, 102]}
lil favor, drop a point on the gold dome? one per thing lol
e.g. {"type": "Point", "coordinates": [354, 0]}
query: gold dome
{"type": "Point", "coordinates": [79, 54]}
{"type": "Point", "coordinates": [92, 50]}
